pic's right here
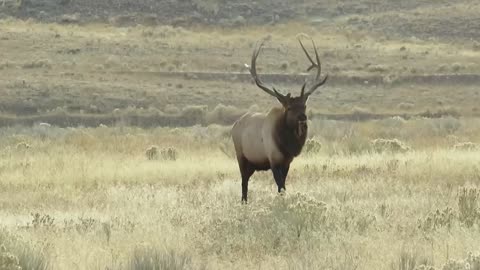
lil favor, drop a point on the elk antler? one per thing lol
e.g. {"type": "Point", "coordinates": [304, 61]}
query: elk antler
{"type": "Point", "coordinates": [318, 65]}
{"type": "Point", "coordinates": [260, 84]}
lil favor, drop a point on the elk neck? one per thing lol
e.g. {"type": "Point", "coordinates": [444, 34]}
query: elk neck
{"type": "Point", "coordinates": [286, 138]}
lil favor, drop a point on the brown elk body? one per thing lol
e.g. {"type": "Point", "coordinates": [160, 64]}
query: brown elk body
{"type": "Point", "coordinates": [271, 141]}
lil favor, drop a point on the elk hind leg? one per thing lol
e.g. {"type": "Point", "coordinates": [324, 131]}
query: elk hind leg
{"type": "Point", "coordinates": [246, 170]}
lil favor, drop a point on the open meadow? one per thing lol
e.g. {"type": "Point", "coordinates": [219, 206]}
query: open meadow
{"type": "Point", "coordinates": [115, 146]}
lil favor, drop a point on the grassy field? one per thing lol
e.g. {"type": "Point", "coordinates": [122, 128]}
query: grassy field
{"type": "Point", "coordinates": [387, 192]}
{"type": "Point", "coordinates": [90, 199]}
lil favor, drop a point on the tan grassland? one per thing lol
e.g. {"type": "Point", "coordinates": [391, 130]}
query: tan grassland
{"type": "Point", "coordinates": [386, 193]}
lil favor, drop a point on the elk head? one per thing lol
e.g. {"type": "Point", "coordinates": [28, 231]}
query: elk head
{"type": "Point", "coordinates": [295, 107]}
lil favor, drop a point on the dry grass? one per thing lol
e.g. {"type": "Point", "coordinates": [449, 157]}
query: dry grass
{"type": "Point", "coordinates": [93, 69]}
{"type": "Point", "coordinates": [94, 199]}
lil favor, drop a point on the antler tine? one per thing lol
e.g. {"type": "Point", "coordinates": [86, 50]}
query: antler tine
{"type": "Point", "coordinates": [313, 65]}
{"type": "Point", "coordinates": [318, 65]}
{"type": "Point", "coordinates": [253, 72]}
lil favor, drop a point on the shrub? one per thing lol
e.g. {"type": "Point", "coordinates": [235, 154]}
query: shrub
{"type": "Point", "coordinates": [472, 262]}
{"type": "Point", "coordinates": [226, 147]}
{"type": "Point", "coordinates": [16, 255]}
{"type": "Point", "coordinates": [390, 145]}
{"type": "Point", "coordinates": [224, 115]}
{"type": "Point", "coordinates": [194, 114]}
{"type": "Point", "coordinates": [152, 152]}
{"type": "Point", "coordinates": [312, 146]}
{"type": "Point", "coordinates": [410, 261]}
{"type": "Point", "coordinates": [148, 258]}
{"type": "Point", "coordinates": [406, 106]}
{"type": "Point", "coordinates": [171, 109]}
{"type": "Point", "coordinates": [466, 146]}
{"type": "Point", "coordinates": [169, 153]}
{"type": "Point", "coordinates": [40, 63]}
{"type": "Point", "coordinates": [468, 211]}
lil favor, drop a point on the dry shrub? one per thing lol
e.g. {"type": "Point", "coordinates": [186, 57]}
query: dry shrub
{"type": "Point", "coordinates": [389, 145]}
{"type": "Point", "coordinates": [22, 146]}
{"type": "Point", "coordinates": [227, 148]}
{"type": "Point", "coordinates": [466, 146]}
{"type": "Point", "coordinates": [148, 258]}
{"type": "Point", "coordinates": [169, 153]}
{"type": "Point", "coordinates": [472, 262]}
{"type": "Point", "coordinates": [406, 106]}
{"type": "Point", "coordinates": [468, 200]}
{"type": "Point", "coordinates": [8, 261]}
{"type": "Point", "coordinates": [194, 114]}
{"type": "Point", "coordinates": [152, 153]}
{"type": "Point", "coordinates": [122, 20]}
{"type": "Point", "coordinates": [312, 146]}
{"type": "Point", "coordinates": [40, 63]}
{"type": "Point", "coordinates": [411, 261]}
{"type": "Point", "coordinates": [171, 109]}
{"type": "Point", "coordinates": [69, 19]}
{"type": "Point", "coordinates": [378, 68]}
{"type": "Point", "coordinates": [224, 115]}
{"type": "Point", "coordinates": [17, 255]}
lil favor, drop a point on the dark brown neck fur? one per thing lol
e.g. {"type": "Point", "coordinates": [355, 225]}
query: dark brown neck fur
{"type": "Point", "coordinates": [289, 144]}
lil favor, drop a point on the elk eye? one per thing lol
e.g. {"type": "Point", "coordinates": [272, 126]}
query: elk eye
{"type": "Point", "coordinates": [302, 117]}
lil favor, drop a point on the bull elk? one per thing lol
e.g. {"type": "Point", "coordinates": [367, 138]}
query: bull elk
{"type": "Point", "coordinates": [271, 141]}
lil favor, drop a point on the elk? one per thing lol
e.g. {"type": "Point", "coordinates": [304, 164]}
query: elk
{"type": "Point", "coordinates": [271, 141]}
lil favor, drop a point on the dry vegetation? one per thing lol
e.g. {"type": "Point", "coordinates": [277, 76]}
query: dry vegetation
{"type": "Point", "coordinates": [91, 198]}
{"type": "Point", "coordinates": [115, 150]}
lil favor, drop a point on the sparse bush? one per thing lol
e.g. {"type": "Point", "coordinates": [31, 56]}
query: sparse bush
{"type": "Point", "coordinates": [194, 114]}
{"type": "Point", "coordinates": [410, 261]}
{"type": "Point", "coordinates": [456, 67]}
{"type": "Point", "coordinates": [171, 109]}
{"type": "Point", "coordinates": [378, 68]}
{"type": "Point", "coordinates": [472, 262]}
{"type": "Point", "coordinates": [152, 152]}
{"type": "Point", "coordinates": [466, 146]}
{"type": "Point", "coordinates": [8, 261]}
{"type": "Point", "coordinates": [40, 63]}
{"type": "Point", "coordinates": [438, 219]}
{"type": "Point", "coordinates": [445, 125]}
{"type": "Point", "coordinates": [16, 254]}
{"type": "Point", "coordinates": [222, 114]}
{"type": "Point", "coordinates": [226, 147]}
{"type": "Point", "coordinates": [468, 199]}
{"type": "Point", "coordinates": [22, 146]}
{"type": "Point", "coordinates": [312, 146]}
{"type": "Point", "coordinates": [406, 106]}
{"type": "Point", "coordinates": [390, 145]}
{"type": "Point", "coordinates": [207, 6]}
{"type": "Point", "coordinates": [169, 153]}
{"type": "Point", "coordinates": [148, 258]}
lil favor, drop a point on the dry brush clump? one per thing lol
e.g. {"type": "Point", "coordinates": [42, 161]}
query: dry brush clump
{"type": "Point", "coordinates": [466, 146]}
{"type": "Point", "coordinates": [150, 258]}
{"type": "Point", "coordinates": [468, 206]}
{"type": "Point", "coordinates": [152, 152]}
{"type": "Point", "coordinates": [389, 145]}
{"type": "Point", "coordinates": [472, 262]}
{"type": "Point", "coordinates": [169, 153]}
{"type": "Point", "coordinates": [312, 146]}
{"type": "Point", "coordinates": [16, 254]}
{"type": "Point", "coordinates": [409, 260]}
{"type": "Point", "coordinates": [224, 115]}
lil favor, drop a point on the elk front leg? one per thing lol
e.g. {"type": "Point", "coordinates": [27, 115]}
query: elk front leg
{"type": "Point", "coordinates": [280, 175]}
